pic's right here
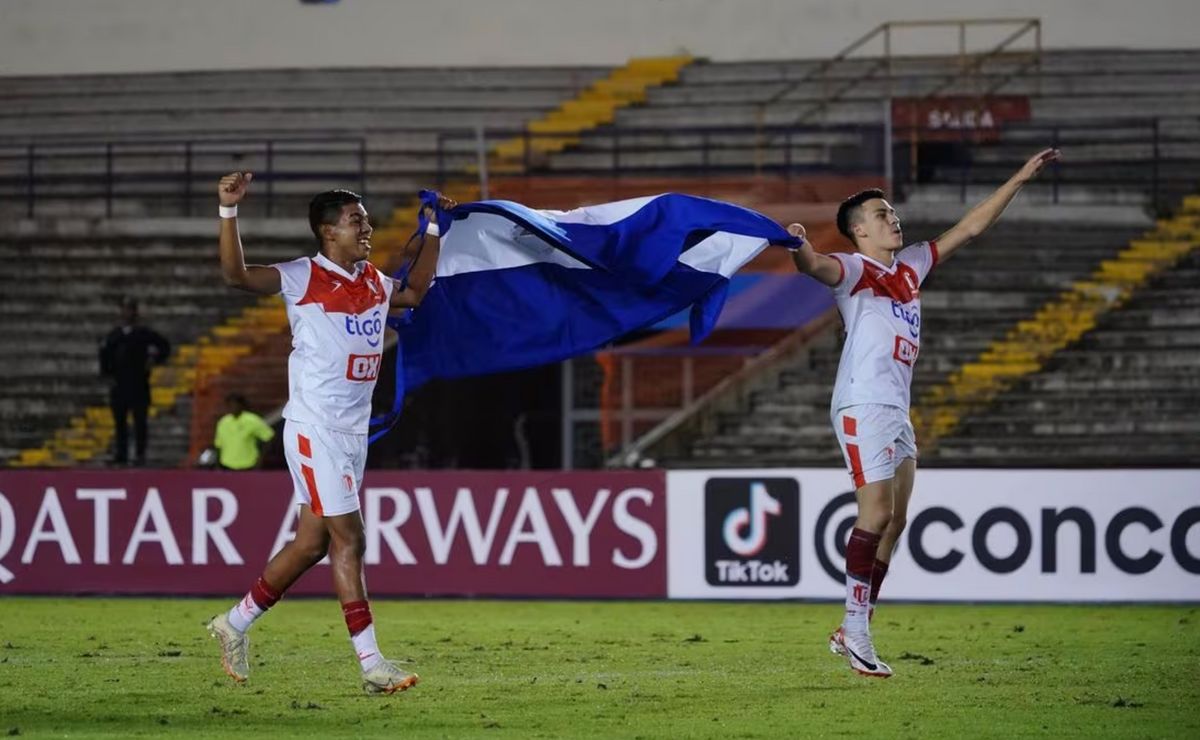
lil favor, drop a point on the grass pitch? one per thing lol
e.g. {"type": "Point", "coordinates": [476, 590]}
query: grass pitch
{"type": "Point", "coordinates": [146, 667]}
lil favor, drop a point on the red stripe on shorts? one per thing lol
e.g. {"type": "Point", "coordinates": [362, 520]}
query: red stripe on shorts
{"type": "Point", "coordinates": [856, 470]}
{"type": "Point", "coordinates": [850, 426]}
{"type": "Point", "coordinates": [305, 445]}
{"type": "Point", "coordinates": [311, 481]}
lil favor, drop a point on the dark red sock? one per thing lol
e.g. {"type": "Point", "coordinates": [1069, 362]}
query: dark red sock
{"type": "Point", "coordinates": [358, 616]}
{"type": "Point", "coordinates": [878, 573]}
{"type": "Point", "coordinates": [264, 594]}
{"type": "Point", "coordinates": [860, 554]}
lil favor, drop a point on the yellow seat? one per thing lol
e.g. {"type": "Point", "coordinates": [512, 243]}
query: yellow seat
{"type": "Point", "coordinates": [594, 106]}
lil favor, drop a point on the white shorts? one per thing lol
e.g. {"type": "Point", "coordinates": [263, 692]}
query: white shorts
{"type": "Point", "coordinates": [875, 439]}
{"type": "Point", "coordinates": [326, 466]}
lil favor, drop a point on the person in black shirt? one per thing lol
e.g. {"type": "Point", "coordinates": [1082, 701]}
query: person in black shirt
{"type": "Point", "coordinates": [128, 353]}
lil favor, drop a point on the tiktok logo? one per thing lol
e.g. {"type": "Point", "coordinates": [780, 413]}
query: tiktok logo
{"type": "Point", "coordinates": [745, 529]}
{"type": "Point", "coordinates": [752, 531]}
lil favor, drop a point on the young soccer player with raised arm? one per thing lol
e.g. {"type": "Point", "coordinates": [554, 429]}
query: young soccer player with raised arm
{"type": "Point", "coordinates": [878, 294]}
{"type": "Point", "coordinates": [337, 305]}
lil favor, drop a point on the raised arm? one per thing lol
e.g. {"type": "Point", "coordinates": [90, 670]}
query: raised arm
{"type": "Point", "coordinates": [253, 278]}
{"type": "Point", "coordinates": [420, 277]}
{"type": "Point", "coordinates": [982, 216]}
{"type": "Point", "coordinates": [811, 262]}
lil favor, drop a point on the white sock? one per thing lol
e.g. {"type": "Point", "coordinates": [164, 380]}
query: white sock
{"type": "Point", "coordinates": [243, 613]}
{"type": "Point", "coordinates": [366, 648]}
{"type": "Point", "coordinates": [858, 605]}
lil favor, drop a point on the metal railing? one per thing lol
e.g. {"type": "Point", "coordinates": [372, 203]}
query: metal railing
{"type": "Point", "coordinates": [620, 414]}
{"type": "Point", "coordinates": [970, 63]}
{"type": "Point", "coordinates": [1157, 156]}
{"type": "Point", "coordinates": [177, 174]}
{"type": "Point", "coordinates": [697, 150]}
{"type": "Point", "coordinates": [736, 385]}
{"type": "Point", "coordinates": [1115, 161]}
{"type": "Point", "coordinates": [171, 170]}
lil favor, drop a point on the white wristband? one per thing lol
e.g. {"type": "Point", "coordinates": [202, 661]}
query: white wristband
{"type": "Point", "coordinates": [432, 229]}
{"type": "Point", "coordinates": [228, 211]}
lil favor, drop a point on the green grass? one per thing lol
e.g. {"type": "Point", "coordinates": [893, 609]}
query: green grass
{"type": "Point", "coordinates": [141, 667]}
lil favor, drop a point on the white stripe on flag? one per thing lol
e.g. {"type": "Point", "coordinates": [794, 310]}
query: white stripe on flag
{"type": "Point", "coordinates": [601, 213]}
{"type": "Point", "coordinates": [484, 241]}
{"type": "Point", "coordinates": [723, 253]}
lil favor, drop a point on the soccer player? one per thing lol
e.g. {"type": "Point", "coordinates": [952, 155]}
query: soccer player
{"type": "Point", "coordinates": [337, 305]}
{"type": "Point", "coordinates": [878, 295]}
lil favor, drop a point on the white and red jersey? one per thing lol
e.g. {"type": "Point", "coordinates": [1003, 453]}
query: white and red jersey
{"type": "Point", "coordinates": [337, 321]}
{"type": "Point", "coordinates": [881, 307]}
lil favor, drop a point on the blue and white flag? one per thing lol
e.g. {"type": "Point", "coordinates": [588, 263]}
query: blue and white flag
{"type": "Point", "coordinates": [517, 288]}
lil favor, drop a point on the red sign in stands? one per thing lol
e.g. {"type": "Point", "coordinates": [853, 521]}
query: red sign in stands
{"type": "Point", "coordinates": [957, 117]}
{"type": "Point", "coordinates": [503, 533]}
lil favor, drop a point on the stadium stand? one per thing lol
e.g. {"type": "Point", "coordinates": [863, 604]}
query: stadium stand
{"type": "Point", "coordinates": [123, 146]}
{"type": "Point", "coordinates": [967, 302]}
{"type": "Point", "coordinates": [1004, 314]}
{"type": "Point", "coordinates": [1068, 86]}
{"type": "Point", "coordinates": [773, 117]}
{"type": "Point", "coordinates": [244, 350]}
{"type": "Point", "coordinates": [213, 104]}
{"type": "Point", "coordinates": [154, 142]}
{"type": "Point", "coordinates": [62, 301]}
{"type": "Point", "coordinates": [1118, 170]}
{"type": "Point", "coordinates": [1126, 390]}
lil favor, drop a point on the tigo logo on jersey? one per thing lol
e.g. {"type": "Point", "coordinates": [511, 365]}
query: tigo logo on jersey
{"type": "Point", "coordinates": [912, 317]}
{"type": "Point", "coordinates": [363, 367]}
{"type": "Point", "coordinates": [370, 328]}
{"type": "Point", "coordinates": [905, 351]}
{"type": "Point", "coordinates": [752, 531]}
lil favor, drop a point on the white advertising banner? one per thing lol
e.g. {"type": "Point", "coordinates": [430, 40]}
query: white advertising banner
{"type": "Point", "coordinates": [973, 535]}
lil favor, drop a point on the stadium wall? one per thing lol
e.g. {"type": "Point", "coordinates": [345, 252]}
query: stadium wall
{"type": "Point", "coordinates": [61, 37]}
{"type": "Point", "coordinates": [974, 535]}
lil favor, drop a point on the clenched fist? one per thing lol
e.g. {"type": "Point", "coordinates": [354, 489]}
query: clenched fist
{"type": "Point", "coordinates": [444, 202]}
{"type": "Point", "coordinates": [233, 186]}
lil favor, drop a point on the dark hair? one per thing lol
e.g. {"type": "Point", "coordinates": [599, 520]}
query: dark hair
{"type": "Point", "coordinates": [237, 399]}
{"type": "Point", "coordinates": [326, 208]}
{"type": "Point", "coordinates": [850, 209]}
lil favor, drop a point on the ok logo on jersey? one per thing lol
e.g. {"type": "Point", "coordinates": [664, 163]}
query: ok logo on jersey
{"type": "Point", "coordinates": [362, 368]}
{"type": "Point", "coordinates": [905, 351]}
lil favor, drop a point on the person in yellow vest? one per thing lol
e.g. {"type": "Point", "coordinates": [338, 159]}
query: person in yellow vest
{"type": "Point", "coordinates": [240, 434]}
